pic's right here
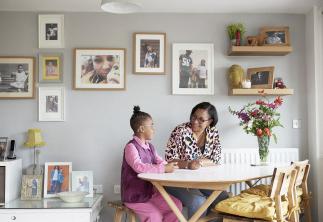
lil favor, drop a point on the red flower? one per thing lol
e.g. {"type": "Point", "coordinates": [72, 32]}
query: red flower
{"type": "Point", "coordinates": [259, 132]}
{"type": "Point", "coordinates": [267, 132]}
{"type": "Point", "coordinates": [260, 102]}
{"type": "Point", "coordinates": [254, 113]}
{"type": "Point", "coordinates": [278, 101]}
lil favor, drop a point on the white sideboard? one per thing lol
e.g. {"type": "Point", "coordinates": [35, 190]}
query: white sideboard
{"type": "Point", "coordinates": [52, 210]}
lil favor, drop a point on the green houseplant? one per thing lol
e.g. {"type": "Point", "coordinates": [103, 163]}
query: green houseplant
{"type": "Point", "coordinates": [232, 30]}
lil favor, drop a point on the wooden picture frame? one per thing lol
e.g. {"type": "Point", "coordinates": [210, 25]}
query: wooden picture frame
{"type": "Point", "coordinates": [31, 187]}
{"type": "Point", "coordinates": [193, 68]}
{"type": "Point", "coordinates": [51, 68]}
{"type": "Point", "coordinates": [57, 178]}
{"type": "Point", "coordinates": [149, 53]}
{"type": "Point", "coordinates": [51, 31]}
{"type": "Point", "coordinates": [261, 77]}
{"type": "Point", "coordinates": [275, 36]}
{"type": "Point", "coordinates": [51, 104]}
{"type": "Point", "coordinates": [17, 77]}
{"type": "Point", "coordinates": [100, 69]}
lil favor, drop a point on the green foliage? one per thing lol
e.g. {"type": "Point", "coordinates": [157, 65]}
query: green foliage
{"type": "Point", "coordinates": [233, 28]}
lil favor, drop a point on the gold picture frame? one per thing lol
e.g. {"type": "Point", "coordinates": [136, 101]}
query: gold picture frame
{"type": "Point", "coordinates": [50, 68]}
{"type": "Point", "coordinates": [261, 77]}
{"type": "Point", "coordinates": [32, 187]}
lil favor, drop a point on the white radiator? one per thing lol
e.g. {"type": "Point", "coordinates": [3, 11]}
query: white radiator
{"type": "Point", "coordinates": [248, 156]}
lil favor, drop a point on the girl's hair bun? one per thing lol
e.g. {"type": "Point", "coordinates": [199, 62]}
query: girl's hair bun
{"type": "Point", "coordinates": [136, 109]}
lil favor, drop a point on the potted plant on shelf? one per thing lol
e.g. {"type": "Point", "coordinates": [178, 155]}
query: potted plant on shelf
{"type": "Point", "coordinates": [259, 118]}
{"type": "Point", "coordinates": [236, 32]}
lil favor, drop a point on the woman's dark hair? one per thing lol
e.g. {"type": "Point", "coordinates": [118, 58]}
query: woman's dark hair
{"type": "Point", "coordinates": [137, 118]}
{"type": "Point", "coordinates": [209, 108]}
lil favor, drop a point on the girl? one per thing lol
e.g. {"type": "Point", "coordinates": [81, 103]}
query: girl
{"type": "Point", "coordinates": [140, 156]}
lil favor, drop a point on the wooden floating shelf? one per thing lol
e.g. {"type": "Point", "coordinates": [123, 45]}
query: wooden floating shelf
{"type": "Point", "coordinates": [259, 50]}
{"type": "Point", "coordinates": [258, 92]}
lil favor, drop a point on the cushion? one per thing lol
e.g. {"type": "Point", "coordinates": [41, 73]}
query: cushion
{"type": "Point", "coordinates": [251, 206]}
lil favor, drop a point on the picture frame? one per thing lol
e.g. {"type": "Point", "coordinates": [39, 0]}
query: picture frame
{"type": "Point", "coordinates": [100, 69]}
{"type": "Point", "coordinates": [261, 77]}
{"type": "Point", "coordinates": [57, 178]}
{"type": "Point", "coordinates": [149, 53]}
{"type": "Point", "coordinates": [51, 104]}
{"type": "Point", "coordinates": [51, 31]}
{"type": "Point", "coordinates": [3, 148]}
{"type": "Point", "coordinates": [31, 187]}
{"type": "Point", "coordinates": [83, 181]}
{"type": "Point", "coordinates": [275, 36]}
{"type": "Point", "coordinates": [17, 77]}
{"type": "Point", "coordinates": [51, 68]}
{"type": "Point", "coordinates": [193, 68]}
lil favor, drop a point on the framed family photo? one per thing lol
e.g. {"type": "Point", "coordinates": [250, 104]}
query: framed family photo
{"type": "Point", "coordinates": [261, 77]}
{"type": "Point", "coordinates": [149, 53]}
{"type": "Point", "coordinates": [50, 68]}
{"type": "Point", "coordinates": [275, 36]}
{"type": "Point", "coordinates": [193, 69]}
{"type": "Point", "coordinates": [57, 178]}
{"type": "Point", "coordinates": [31, 187]}
{"type": "Point", "coordinates": [99, 69]}
{"type": "Point", "coordinates": [17, 77]}
{"type": "Point", "coordinates": [83, 181]}
{"type": "Point", "coordinates": [3, 148]}
{"type": "Point", "coordinates": [51, 31]}
{"type": "Point", "coordinates": [51, 104]}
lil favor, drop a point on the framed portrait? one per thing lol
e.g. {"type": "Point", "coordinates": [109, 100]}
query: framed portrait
{"type": "Point", "coordinates": [31, 187]}
{"type": "Point", "coordinates": [51, 31]}
{"type": "Point", "coordinates": [57, 178]}
{"type": "Point", "coordinates": [17, 77]}
{"type": "Point", "coordinates": [149, 53]}
{"type": "Point", "coordinates": [275, 36]}
{"type": "Point", "coordinates": [99, 69]}
{"type": "Point", "coordinates": [193, 69]}
{"type": "Point", "coordinates": [50, 68]}
{"type": "Point", "coordinates": [51, 104]}
{"type": "Point", "coordinates": [83, 181]}
{"type": "Point", "coordinates": [261, 77]}
{"type": "Point", "coordinates": [3, 148]}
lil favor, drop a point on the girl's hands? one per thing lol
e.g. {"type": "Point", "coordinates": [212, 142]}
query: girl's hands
{"type": "Point", "coordinates": [170, 167]}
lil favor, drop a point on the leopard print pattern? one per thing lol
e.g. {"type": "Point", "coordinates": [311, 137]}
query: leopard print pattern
{"type": "Point", "coordinates": [182, 145]}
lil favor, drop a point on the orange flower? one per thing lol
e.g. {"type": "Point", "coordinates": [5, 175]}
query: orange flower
{"type": "Point", "coordinates": [259, 132]}
{"type": "Point", "coordinates": [278, 101]}
{"type": "Point", "coordinates": [267, 132]}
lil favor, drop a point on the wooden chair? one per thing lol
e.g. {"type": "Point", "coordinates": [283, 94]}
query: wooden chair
{"type": "Point", "coordinates": [121, 209]}
{"type": "Point", "coordinates": [303, 169]}
{"type": "Point", "coordinates": [283, 184]}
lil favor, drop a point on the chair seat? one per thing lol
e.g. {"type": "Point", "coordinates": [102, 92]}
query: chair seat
{"type": "Point", "coordinates": [251, 206]}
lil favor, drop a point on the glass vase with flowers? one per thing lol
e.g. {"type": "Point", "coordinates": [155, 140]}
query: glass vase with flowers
{"type": "Point", "coordinates": [259, 118]}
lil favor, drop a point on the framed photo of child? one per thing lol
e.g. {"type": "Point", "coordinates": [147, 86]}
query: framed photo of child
{"type": "Point", "coordinates": [50, 68]}
{"type": "Point", "coordinates": [100, 69]}
{"type": "Point", "coordinates": [51, 31]}
{"type": "Point", "coordinates": [17, 77]}
{"type": "Point", "coordinates": [51, 104]}
{"type": "Point", "coordinates": [193, 69]}
{"type": "Point", "coordinates": [57, 178]}
{"type": "Point", "coordinates": [83, 181]}
{"type": "Point", "coordinates": [31, 188]}
{"type": "Point", "coordinates": [149, 53]}
{"type": "Point", "coordinates": [261, 77]}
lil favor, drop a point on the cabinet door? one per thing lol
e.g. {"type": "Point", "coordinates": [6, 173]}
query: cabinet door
{"type": "Point", "coordinates": [45, 217]}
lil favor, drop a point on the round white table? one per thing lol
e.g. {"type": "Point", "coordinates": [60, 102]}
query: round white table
{"type": "Point", "coordinates": [217, 178]}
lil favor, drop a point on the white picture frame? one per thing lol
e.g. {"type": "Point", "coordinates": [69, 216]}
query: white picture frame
{"type": "Point", "coordinates": [83, 181]}
{"type": "Point", "coordinates": [59, 181]}
{"type": "Point", "coordinates": [51, 104]}
{"type": "Point", "coordinates": [190, 72]}
{"type": "Point", "coordinates": [149, 53]}
{"type": "Point", "coordinates": [51, 31]}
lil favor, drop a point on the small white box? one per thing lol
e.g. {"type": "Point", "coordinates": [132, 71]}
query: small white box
{"type": "Point", "coordinates": [10, 180]}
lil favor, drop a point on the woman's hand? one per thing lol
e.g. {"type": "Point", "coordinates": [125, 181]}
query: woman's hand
{"type": "Point", "coordinates": [194, 164]}
{"type": "Point", "coordinates": [170, 167]}
{"type": "Point", "coordinates": [206, 162]}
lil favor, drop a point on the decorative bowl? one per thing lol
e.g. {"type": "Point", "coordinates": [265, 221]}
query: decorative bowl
{"type": "Point", "coordinates": [72, 196]}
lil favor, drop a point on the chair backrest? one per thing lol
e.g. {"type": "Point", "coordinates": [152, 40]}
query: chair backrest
{"type": "Point", "coordinates": [303, 168]}
{"type": "Point", "coordinates": [283, 181]}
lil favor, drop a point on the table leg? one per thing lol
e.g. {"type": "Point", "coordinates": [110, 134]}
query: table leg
{"type": "Point", "coordinates": [205, 205]}
{"type": "Point", "coordinates": [169, 201]}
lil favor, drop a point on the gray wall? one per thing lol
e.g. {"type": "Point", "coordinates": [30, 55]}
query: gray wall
{"type": "Point", "coordinates": [97, 124]}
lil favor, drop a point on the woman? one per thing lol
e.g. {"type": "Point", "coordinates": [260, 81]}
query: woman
{"type": "Point", "coordinates": [197, 140]}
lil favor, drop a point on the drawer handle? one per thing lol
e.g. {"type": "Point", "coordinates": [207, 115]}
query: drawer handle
{"type": "Point", "coordinates": [13, 218]}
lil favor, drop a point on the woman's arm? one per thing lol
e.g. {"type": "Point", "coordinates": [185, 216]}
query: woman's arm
{"type": "Point", "coordinates": [216, 148]}
{"type": "Point", "coordinates": [173, 147]}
